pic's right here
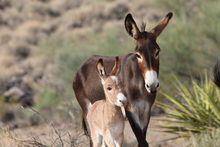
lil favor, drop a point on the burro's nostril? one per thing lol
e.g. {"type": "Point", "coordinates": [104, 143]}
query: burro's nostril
{"type": "Point", "coordinates": [151, 81]}
{"type": "Point", "coordinates": [152, 88]}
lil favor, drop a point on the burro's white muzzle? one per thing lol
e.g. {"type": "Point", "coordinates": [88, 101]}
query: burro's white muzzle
{"type": "Point", "coordinates": [151, 81]}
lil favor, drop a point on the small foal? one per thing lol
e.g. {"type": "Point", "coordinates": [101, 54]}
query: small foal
{"type": "Point", "coordinates": [106, 117]}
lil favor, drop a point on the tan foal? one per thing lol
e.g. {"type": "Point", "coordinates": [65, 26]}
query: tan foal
{"type": "Point", "coordinates": [106, 117]}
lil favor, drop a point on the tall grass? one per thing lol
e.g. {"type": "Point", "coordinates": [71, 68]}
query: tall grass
{"type": "Point", "coordinates": [195, 109]}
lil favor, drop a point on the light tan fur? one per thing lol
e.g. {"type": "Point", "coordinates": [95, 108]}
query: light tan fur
{"type": "Point", "coordinates": [105, 117]}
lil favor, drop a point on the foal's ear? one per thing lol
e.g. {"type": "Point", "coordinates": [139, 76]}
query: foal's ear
{"type": "Point", "coordinates": [131, 26]}
{"type": "Point", "coordinates": [116, 67]}
{"type": "Point", "coordinates": [163, 23]}
{"type": "Point", "coordinates": [100, 68]}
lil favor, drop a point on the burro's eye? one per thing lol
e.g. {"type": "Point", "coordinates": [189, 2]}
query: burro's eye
{"type": "Point", "coordinates": [109, 88]}
{"type": "Point", "coordinates": [138, 56]}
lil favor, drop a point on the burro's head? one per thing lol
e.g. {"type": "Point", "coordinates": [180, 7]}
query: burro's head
{"type": "Point", "coordinates": [147, 50]}
{"type": "Point", "coordinates": [111, 84]}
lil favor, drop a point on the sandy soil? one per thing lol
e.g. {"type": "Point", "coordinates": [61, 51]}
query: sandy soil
{"type": "Point", "coordinates": [70, 134]}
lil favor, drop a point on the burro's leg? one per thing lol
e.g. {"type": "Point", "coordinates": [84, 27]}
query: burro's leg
{"type": "Point", "coordinates": [138, 132]}
{"type": "Point", "coordinates": [144, 120]}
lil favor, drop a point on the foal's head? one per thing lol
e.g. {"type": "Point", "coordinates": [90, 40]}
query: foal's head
{"type": "Point", "coordinates": [111, 84]}
{"type": "Point", "coordinates": [147, 50]}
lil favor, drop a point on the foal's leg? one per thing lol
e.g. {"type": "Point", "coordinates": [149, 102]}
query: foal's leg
{"type": "Point", "coordinates": [96, 139]}
{"type": "Point", "coordinates": [109, 141]}
{"type": "Point", "coordinates": [119, 137]}
{"type": "Point", "coordinates": [118, 142]}
{"type": "Point", "coordinates": [113, 139]}
{"type": "Point", "coordinates": [103, 143]}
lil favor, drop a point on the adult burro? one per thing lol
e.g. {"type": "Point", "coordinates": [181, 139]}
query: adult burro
{"type": "Point", "coordinates": [138, 76]}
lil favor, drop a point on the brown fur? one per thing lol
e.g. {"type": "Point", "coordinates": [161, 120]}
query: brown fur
{"type": "Point", "coordinates": [105, 117]}
{"type": "Point", "coordinates": [87, 85]}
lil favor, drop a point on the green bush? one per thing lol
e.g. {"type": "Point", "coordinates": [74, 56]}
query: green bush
{"type": "Point", "coordinates": [189, 44]}
{"type": "Point", "coordinates": [191, 38]}
{"type": "Point", "coordinates": [195, 109]}
{"type": "Point", "coordinates": [209, 139]}
{"type": "Point", "coordinates": [3, 106]}
{"type": "Point", "coordinates": [48, 97]}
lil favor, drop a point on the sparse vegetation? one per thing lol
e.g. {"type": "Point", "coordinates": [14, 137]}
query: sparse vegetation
{"type": "Point", "coordinates": [44, 42]}
{"type": "Point", "coordinates": [195, 110]}
{"type": "Point", "coordinates": [208, 139]}
{"type": "Point", "coordinates": [189, 39]}
{"type": "Point", "coordinates": [69, 52]}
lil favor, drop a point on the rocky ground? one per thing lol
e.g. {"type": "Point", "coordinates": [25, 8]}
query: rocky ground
{"type": "Point", "coordinates": [24, 25]}
{"type": "Point", "coordinates": [69, 134]}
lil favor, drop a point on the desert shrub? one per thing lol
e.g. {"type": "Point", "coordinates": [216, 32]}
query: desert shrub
{"type": "Point", "coordinates": [71, 50]}
{"type": "Point", "coordinates": [189, 44]}
{"type": "Point", "coordinates": [209, 139]}
{"type": "Point", "coordinates": [195, 109]}
{"type": "Point", "coordinates": [49, 98]}
{"type": "Point", "coordinates": [2, 105]}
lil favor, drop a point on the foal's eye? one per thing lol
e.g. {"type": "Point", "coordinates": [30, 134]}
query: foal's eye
{"type": "Point", "coordinates": [109, 88]}
{"type": "Point", "coordinates": [138, 56]}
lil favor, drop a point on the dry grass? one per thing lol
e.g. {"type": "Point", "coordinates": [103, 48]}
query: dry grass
{"type": "Point", "coordinates": [65, 133]}
{"type": "Point", "coordinates": [47, 134]}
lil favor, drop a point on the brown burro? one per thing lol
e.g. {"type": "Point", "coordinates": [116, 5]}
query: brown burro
{"type": "Point", "coordinates": [106, 118]}
{"type": "Point", "coordinates": [138, 75]}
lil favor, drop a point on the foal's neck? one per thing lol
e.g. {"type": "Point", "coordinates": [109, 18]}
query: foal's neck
{"type": "Point", "coordinates": [112, 107]}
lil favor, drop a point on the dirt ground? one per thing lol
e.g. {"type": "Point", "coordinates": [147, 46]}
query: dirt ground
{"type": "Point", "coordinates": [69, 134]}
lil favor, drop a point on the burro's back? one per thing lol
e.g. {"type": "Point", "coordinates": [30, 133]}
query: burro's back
{"type": "Point", "coordinates": [139, 76]}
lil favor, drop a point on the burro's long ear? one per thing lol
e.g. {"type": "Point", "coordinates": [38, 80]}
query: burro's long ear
{"type": "Point", "coordinates": [116, 67]}
{"type": "Point", "coordinates": [131, 26]}
{"type": "Point", "coordinates": [100, 68]}
{"type": "Point", "coordinates": [163, 23]}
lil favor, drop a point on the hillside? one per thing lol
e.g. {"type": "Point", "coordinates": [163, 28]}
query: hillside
{"type": "Point", "coordinates": [43, 43]}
